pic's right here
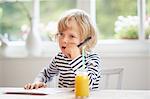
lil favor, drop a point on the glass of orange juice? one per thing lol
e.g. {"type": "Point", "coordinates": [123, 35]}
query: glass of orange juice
{"type": "Point", "coordinates": [82, 84]}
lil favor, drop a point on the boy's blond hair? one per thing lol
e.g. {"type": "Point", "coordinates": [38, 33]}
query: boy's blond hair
{"type": "Point", "coordinates": [84, 23]}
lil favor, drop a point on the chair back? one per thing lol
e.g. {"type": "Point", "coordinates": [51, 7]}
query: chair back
{"type": "Point", "coordinates": [112, 78]}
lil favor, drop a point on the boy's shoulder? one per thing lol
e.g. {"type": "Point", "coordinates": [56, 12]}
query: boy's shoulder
{"type": "Point", "coordinates": [60, 55]}
{"type": "Point", "coordinates": [93, 56]}
{"type": "Point", "coordinates": [56, 55]}
{"type": "Point", "coordinates": [92, 53]}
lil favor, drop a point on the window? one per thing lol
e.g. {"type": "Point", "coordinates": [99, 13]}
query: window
{"type": "Point", "coordinates": [113, 19]}
{"type": "Point", "coordinates": [50, 11]}
{"type": "Point", "coordinates": [147, 31]}
{"type": "Point", "coordinates": [108, 12]}
{"type": "Point", "coordinates": [15, 23]}
{"type": "Point", "coordinates": [15, 17]}
{"type": "Point", "coordinates": [121, 19]}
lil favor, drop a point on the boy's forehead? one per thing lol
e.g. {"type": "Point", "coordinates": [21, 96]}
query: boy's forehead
{"type": "Point", "coordinates": [69, 23]}
{"type": "Point", "coordinates": [72, 24]}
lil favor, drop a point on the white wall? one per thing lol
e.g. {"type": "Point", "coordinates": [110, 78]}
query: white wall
{"type": "Point", "coordinates": [0, 73]}
{"type": "Point", "coordinates": [148, 74]}
{"type": "Point", "coordinates": [17, 72]}
{"type": "Point", "coordinates": [149, 69]}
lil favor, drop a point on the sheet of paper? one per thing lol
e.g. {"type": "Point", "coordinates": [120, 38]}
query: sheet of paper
{"type": "Point", "coordinates": [40, 91]}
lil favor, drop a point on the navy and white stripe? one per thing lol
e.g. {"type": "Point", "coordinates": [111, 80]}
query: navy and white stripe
{"type": "Point", "coordinates": [67, 69]}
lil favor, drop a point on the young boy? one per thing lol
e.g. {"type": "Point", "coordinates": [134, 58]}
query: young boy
{"type": "Point", "coordinates": [73, 28]}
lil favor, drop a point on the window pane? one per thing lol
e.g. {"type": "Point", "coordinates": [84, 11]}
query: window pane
{"type": "Point", "coordinates": [147, 31]}
{"type": "Point", "coordinates": [50, 11]}
{"type": "Point", "coordinates": [108, 12]}
{"type": "Point", "coordinates": [14, 19]}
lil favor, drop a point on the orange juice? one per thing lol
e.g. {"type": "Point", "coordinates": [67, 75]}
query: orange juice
{"type": "Point", "coordinates": [82, 85]}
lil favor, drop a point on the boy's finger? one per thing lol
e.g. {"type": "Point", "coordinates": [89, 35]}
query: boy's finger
{"type": "Point", "coordinates": [33, 86]}
{"type": "Point", "coordinates": [42, 85]}
{"type": "Point", "coordinates": [45, 86]}
{"type": "Point", "coordinates": [27, 86]}
{"type": "Point", "coordinates": [36, 86]}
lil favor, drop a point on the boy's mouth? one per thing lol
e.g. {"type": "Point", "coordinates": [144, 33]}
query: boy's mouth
{"type": "Point", "coordinates": [63, 47]}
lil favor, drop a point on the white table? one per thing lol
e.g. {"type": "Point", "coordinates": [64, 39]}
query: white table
{"type": "Point", "coordinates": [67, 94]}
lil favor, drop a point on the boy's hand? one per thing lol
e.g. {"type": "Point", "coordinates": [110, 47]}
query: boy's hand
{"type": "Point", "coordinates": [35, 85]}
{"type": "Point", "coordinates": [72, 51]}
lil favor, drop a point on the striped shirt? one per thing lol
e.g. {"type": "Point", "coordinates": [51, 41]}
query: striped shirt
{"type": "Point", "coordinates": [67, 69]}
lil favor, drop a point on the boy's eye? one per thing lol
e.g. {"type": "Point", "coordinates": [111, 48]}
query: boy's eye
{"type": "Point", "coordinates": [60, 34]}
{"type": "Point", "coordinates": [72, 36]}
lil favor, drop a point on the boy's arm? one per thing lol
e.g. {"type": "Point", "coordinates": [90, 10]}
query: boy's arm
{"type": "Point", "coordinates": [47, 73]}
{"type": "Point", "coordinates": [93, 68]}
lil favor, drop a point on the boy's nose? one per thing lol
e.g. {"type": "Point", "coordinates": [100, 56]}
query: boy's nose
{"type": "Point", "coordinates": [65, 40]}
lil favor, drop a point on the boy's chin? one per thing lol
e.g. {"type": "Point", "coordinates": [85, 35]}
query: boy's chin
{"type": "Point", "coordinates": [65, 54]}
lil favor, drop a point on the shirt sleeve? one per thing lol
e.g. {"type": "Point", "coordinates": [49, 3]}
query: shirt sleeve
{"type": "Point", "coordinates": [93, 68]}
{"type": "Point", "coordinates": [47, 73]}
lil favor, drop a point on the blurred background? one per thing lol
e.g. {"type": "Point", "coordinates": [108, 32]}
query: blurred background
{"type": "Point", "coordinates": [28, 28]}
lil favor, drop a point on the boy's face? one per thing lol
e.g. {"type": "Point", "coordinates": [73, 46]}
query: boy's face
{"type": "Point", "coordinates": [69, 39]}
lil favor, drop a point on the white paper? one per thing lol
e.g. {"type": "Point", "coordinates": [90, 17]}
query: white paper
{"type": "Point", "coordinates": [40, 91]}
